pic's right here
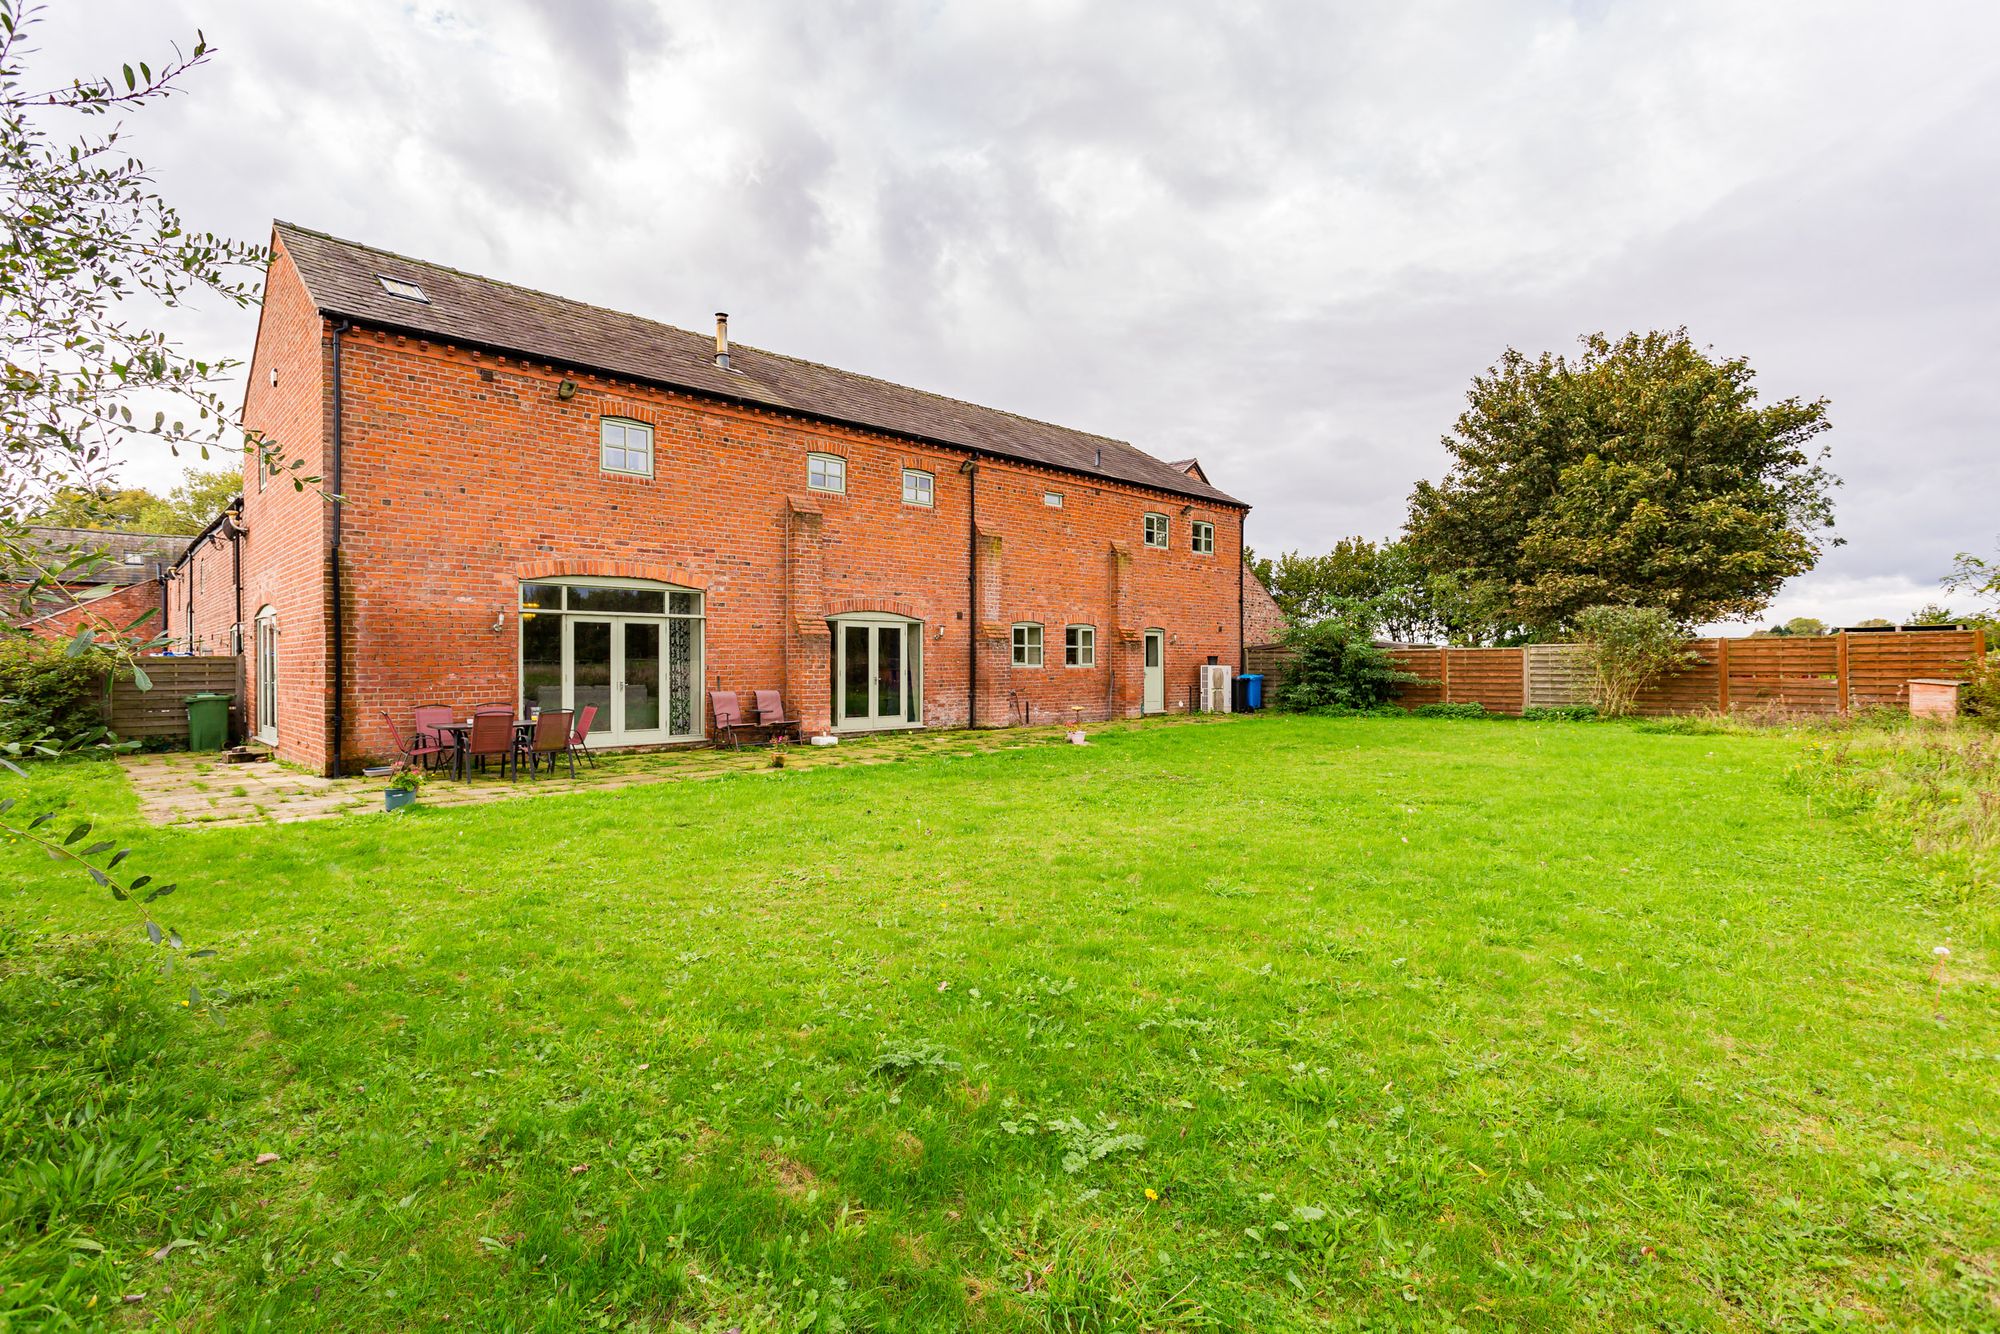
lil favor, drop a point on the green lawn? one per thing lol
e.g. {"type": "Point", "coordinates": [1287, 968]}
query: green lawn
{"type": "Point", "coordinates": [1270, 1024]}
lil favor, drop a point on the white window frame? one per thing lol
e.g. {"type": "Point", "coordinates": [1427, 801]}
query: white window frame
{"type": "Point", "coordinates": [1053, 499]}
{"type": "Point", "coordinates": [832, 472]}
{"type": "Point", "coordinates": [614, 733]}
{"type": "Point", "coordinates": [1166, 531]}
{"type": "Point", "coordinates": [1028, 644]}
{"type": "Point", "coordinates": [626, 426]}
{"type": "Point", "coordinates": [1079, 646]}
{"type": "Point", "coordinates": [928, 487]}
{"type": "Point", "coordinates": [1201, 529]}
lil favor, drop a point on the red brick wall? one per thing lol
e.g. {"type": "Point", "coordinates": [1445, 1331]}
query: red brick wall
{"type": "Point", "coordinates": [1263, 622]}
{"type": "Point", "coordinates": [201, 598]}
{"type": "Point", "coordinates": [284, 553]}
{"type": "Point", "coordinates": [109, 615]}
{"type": "Point", "coordinates": [465, 473]}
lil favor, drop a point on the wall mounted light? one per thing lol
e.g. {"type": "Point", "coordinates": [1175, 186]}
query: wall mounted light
{"type": "Point", "coordinates": [499, 620]}
{"type": "Point", "coordinates": [566, 390]}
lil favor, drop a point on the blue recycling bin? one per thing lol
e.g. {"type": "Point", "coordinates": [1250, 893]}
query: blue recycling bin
{"type": "Point", "coordinates": [1253, 690]}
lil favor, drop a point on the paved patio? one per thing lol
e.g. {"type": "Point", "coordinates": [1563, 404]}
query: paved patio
{"type": "Point", "coordinates": [202, 789]}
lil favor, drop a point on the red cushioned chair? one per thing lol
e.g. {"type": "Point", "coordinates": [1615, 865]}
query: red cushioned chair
{"type": "Point", "coordinates": [771, 715]}
{"type": "Point", "coordinates": [579, 736]}
{"type": "Point", "coordinates": [551, 738]}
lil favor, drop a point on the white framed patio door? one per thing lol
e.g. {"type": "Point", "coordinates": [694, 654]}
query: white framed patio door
{"type": "Point", "coordinates": [640, 670]}
{"type": "Point", "coordinates": [877, 673]}
{"type": "Point", "coordinates": [1155, 698]}
{"type": "Point", "coordinates": [617, 665]}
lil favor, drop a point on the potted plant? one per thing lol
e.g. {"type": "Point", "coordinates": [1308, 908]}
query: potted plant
{"type": "Point", "coordinates": [402, 789]}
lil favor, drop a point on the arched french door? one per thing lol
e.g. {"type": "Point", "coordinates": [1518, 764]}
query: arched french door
{"type": "Point", "coordinates": [629, 648]}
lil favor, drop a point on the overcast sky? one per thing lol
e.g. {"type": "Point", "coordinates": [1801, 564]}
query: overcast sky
{"type": "Point", "coordinates": [1282, 238]}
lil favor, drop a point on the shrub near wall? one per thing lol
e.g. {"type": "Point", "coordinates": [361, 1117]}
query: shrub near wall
{"type": "Point", "coordinates": [1336, 665]}
{"type": "Point", "coordinates": [47, 695]}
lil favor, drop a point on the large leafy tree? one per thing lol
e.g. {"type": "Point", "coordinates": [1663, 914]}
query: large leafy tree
{"type": "Point", "coordinates": [199, 496]}
{"type": "Point", "coordinates": [1643, 472]}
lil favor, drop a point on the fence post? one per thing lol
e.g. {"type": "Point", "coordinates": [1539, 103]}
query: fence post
{"type": "Point", "coordinates": [1444, 674]}
{"type": "Point", "coordinates": [1840, 670]}
{"type": "Point", "coordinates": [1722, 676]}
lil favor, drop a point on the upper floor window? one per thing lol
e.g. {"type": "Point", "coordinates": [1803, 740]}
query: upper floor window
{"type": "Point", "coordinates": [1053, 499]}
{"type": "Point", "coordinates": [1204, 539]}
{"type": "Point", "coordinates": [1080, 646]}
{"type": "Point", "coordinates": [919, 487]}
{"type": "Point", "coordinates": [1156, 530]}
{"type": "Point", "coordinates": [625, 446]}
{"type": "Point", "coordinates": [827, 472]}
{"type": "Point", "coordinates": [1027, 645]}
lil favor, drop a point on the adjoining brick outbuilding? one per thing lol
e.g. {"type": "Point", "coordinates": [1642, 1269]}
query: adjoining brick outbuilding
{"type": "Point", "coordinates": [542, 502]}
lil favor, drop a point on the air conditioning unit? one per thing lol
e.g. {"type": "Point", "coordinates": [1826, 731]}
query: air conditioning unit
{"type": "Point", "coordinates": [1215, 688]}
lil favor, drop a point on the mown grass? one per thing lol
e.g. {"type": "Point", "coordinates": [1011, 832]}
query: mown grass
{"type": "Point", "coordinates": [1272, 1024]}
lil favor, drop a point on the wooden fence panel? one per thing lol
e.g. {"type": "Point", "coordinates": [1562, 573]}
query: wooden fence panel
{"type": "Point", "coordinates": [1800, 676]}
{"type": "Point", "coordinates": [1270, 660]}
{"type": "Point", "coordinates": [1789, 675]}
{"type": "Point", "coordinates": [1488, 676]}
{"type": "Point", "coordinates": [1881, 666]}
{"type": "Point", "coordinates": [1428, 666]}
{"type": "Point", "coordinates": [1556, 677]}
{"type": "Point", "coordinates": [1694, 690]}
{"type": "Point", "coordinates": [135, 714]}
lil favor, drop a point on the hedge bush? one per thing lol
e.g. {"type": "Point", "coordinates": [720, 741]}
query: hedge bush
{"type": "Point", "coordinates": [48, 698]}
{"type": "Point", "coordinates": [1336, 665]}
{"type": "Point", "coordinates": [1469, 709]}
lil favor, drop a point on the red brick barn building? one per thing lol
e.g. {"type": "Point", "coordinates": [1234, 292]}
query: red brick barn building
{"type": "Point", "coordinates": [549, 503]}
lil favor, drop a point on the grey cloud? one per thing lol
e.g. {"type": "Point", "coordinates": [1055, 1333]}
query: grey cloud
{"type": "Point", "coordinates": [1282, 237]}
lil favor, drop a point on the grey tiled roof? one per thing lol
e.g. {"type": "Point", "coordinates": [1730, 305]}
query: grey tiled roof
{"type": "Point", "coordinates": [344, 280]}
{"type": "Point", "coordinates": [126, 558]}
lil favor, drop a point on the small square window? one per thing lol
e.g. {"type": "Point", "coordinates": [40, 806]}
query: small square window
{"type": "Point", "coordinates": [625, 446]}
{"type": "Point", "coordinates": [1156, 530]}
{"type": "Point", "coordinates": [826, 472]}
{"type": "Point", "coordinates": [1028, 645]}
{"type": "Point", "coordinates": [1204, 539]}
{"type": "Point", "coordinates": [402, 289]}
{"type": "Point", "coordinates": [919, 487]}
{"type": "Point", "coordinates": [1080, 646]}
{"type": "Point", "coordinates": [1053, 499]}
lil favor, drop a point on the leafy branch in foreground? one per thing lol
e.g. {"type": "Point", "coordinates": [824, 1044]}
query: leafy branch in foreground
{"type": "Point", "coordinates": [90, 857]}
{"type": "Point", "coordinates": [86, 241]}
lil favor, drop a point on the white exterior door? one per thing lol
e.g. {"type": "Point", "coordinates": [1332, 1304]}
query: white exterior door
{"type": "Point", "coordinates": [877, 681]}
{"type": "Point", "coordinates": [1156, 672]}
{"type": "Point", "coordinates": [266, 643]}
{"type": "Point", "coordinates": [616, 664]}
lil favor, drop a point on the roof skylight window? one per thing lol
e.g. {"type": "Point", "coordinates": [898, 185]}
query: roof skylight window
{"type": "Point", "coordinates": [402, 288]}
